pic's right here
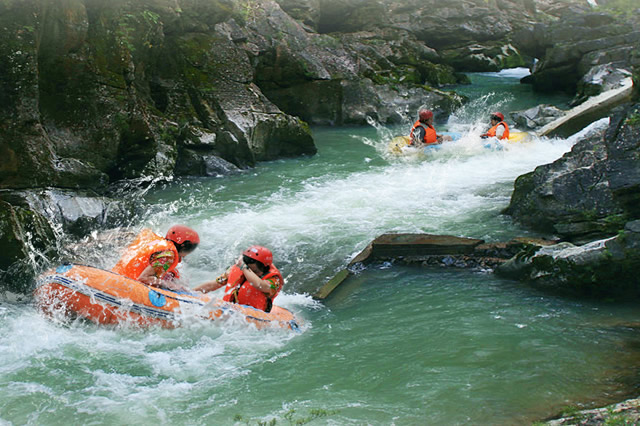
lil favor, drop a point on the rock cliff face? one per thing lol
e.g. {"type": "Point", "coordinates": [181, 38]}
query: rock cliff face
{"type": "Point", "coordinates": [94, 91]}
{"type": "Point", "coordinates": [471, 35]}
{"type": "Point", "coordinates": [99, 91]}
{"type": "Point", "coordinates": [581, 42]}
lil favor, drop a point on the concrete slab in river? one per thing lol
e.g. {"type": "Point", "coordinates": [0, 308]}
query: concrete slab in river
{"type": "Point", "coordinates": [591, 110]}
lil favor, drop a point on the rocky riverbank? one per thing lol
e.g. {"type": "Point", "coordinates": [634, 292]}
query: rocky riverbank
{"type": "Point", "coordinates": [590, 200]}
{"type": "Point", "coordinates": [623, 413]}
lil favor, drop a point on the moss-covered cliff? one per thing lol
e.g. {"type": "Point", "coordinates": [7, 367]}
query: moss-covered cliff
{"type": "Point", "coordinates": [99, 91]}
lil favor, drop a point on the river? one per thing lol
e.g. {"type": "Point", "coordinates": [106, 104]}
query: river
{"type": "Point", "coordinates": [394, 345]}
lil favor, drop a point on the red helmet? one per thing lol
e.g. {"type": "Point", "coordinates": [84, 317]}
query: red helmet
{"type": "Point", "coordinates": [259, 253]}
{"type": "Point", "coordinates": [498, 115]}
{"type": "Point", "coordinates": [425, 114]}
{"type": "Point", "coordinates": [180, 234]}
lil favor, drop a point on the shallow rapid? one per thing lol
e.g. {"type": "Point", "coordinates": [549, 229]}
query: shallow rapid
{"type": "Point", "coordinates": [394, 345]}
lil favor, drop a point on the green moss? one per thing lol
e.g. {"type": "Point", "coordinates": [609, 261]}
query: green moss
{"type": "Point", "coordinates": [326, 41]}
{"type": "Point", "coordinates": [304, 125]}
{"type": "Point", "coordinates": [438, 75]}
{"type": "Point", "coordinates": [512, 61]}
{"type": "Point", "coordinates": [246, 11]}
{"type": "Point", "coordinates": [570, 411]}
{"type": "Point", "coordinates": [616, 220]}
{"type": "Point", "coordinates": [633, 120]}
{"type": "Point", "coordinates": [400, 75]}
{"type": "Point", "coordinates": [621, 8]}
{"type": "Point", "coordinates": [137, 29]}
{"type": "Point", "coordinates": [617, 419]}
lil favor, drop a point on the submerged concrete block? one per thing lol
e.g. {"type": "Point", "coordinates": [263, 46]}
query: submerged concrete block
{"type": "Point", "coordinates": [396, 245]}
{"type": "Point", "coordinates": [402, 245]}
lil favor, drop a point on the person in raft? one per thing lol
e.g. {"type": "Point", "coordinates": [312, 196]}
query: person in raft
{"type": "Point", "coordinates": [253, 280]}
{"type": "Point", "coordinates": [499, 128]}
{"type": "Point", "coordinates": [152, 259]}
{"type": "Point", "coordinates": [423, 132]}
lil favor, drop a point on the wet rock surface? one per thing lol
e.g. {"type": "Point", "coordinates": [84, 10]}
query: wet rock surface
{"type": "Point", "coordinates": [536, 117]}
{"type": "Point", "coordinates": [579, 43]}
{"type": "Point", "coordinates": [600, 269]}
{"type": "Point", "coordinates": [590, 192]}
{"type": "Point", "coordinates": [624, 413]}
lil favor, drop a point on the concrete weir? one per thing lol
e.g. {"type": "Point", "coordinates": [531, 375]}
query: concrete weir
{"type": "Point", "coordinates": [591, 110]}
{"type": "Point", "coordinates": [429, 250]}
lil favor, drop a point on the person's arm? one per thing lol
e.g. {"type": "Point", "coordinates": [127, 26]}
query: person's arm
{"type": "Point", "coordinates": [148, 276]}
{"type": "Point", "coordinates": [268, 287]}
{"type": "Point", "coordinates": [159, 264]}
{"type": "Point", "coordinates": [213, 285]}
{"type": "Point", "coordinates": [500, 132]}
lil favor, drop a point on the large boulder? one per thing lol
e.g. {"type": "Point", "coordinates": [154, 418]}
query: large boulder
{"type": "Point", "coordinates": [589, 192]}
{"type": "Point", "coordinates": [34, 226]}
{"type": "Point", "coordinates": [602, 268]}
{"type": "Point", "coordinates": [28, 240]}
{"type": "Point", "coordinates": [71, 212]}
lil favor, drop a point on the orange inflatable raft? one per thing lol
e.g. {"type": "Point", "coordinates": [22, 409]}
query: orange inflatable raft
{"type": "Point", "coordinates": [105, 297]}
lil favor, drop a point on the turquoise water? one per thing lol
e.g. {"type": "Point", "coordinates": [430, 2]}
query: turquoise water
{"type": "Point", "coordinates": [394, 345]}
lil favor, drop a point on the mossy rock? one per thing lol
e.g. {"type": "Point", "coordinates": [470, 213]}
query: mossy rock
{"type": "Point", "coordinates": [28, 240]}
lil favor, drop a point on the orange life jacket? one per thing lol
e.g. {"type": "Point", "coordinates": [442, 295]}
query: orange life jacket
{"type": "Point", "coordinates": [136, 257]}
{"type": "Point", "coordinates": [430, 135]}
{"type": "Point", "coordinates": [239, 290]}
{"type": "Point", "coordinates": [492, 131]}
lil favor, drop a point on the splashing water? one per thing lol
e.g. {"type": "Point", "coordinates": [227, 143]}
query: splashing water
{"type": "Point", "coordinates": [394, 345]}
